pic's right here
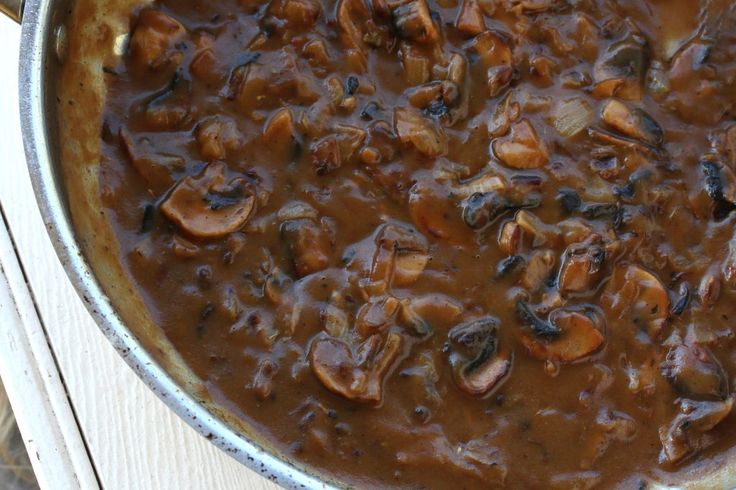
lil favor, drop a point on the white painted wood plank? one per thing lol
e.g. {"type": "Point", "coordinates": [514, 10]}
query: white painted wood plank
{"type": "Point", "coordinates": [33, 385]}
{"type": "Point", "coordinates": [134, 440]}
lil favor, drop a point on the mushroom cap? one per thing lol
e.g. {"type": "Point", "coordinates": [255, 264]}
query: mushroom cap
{"type": "Point", "coordinates": [582, 333]}
{"type": "Point", "coordinates": [207, 206]}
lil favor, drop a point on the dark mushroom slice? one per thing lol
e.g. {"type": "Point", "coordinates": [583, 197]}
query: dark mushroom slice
{"type": "Point", "coordinates": [578, 332]}
{"type": "Point", "coordinates": [582, 266]}
{"type": "Point", "coordinates": [356, 375]}
{"type": "Point", "coordinates": [611, 138]}
{"type": "Point", "coordinates": [522, 148]}
{"type": "Point", "coordinates": [412, 21]}
{"type": "Point", "coordinates": [634, 123]}
{"type": "Point", "coordinates": [483, 208]}
{"type": "Point", "coordinates": [209, 205]}
{"type": "Point", "coordinates": [690, 431]}
{"type": "Point", "coordinates": [722, 195]}
{"type": "Point", "coordinates": [479, 365]}
{"type": "Point", "coordinates": [695, 372]}
{"type": "Point", "coordinates": [621, 71]}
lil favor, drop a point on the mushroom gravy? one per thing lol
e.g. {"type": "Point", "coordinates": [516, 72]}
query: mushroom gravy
{"type": "Point", "coordinates": [441, 243]}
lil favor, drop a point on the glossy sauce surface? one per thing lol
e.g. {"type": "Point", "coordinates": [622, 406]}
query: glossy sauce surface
{"type": "Point", "coordinates": [431, 244]}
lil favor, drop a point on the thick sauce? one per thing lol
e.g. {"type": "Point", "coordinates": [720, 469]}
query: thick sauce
{"type": "Point", "coordinates": [431, 244]}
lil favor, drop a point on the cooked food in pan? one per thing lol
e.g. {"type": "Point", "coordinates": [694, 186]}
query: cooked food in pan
{"type": "Point", "coordinates": [441, 243]}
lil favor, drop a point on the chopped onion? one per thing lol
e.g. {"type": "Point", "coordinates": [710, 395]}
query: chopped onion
{"type": "Point", "coordinates": [571, 116]}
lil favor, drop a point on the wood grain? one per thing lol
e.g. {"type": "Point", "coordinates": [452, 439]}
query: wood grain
{"type": "Point", "coordinates": [134, 441]}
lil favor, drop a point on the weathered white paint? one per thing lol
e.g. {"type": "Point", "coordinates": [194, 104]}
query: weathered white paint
{"type": "Point", "coordinates": [133, 440]}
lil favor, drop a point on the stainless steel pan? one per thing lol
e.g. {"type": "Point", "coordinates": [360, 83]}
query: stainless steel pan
{"type": "Point", "coordinates": [77, 231]}
{"type": "Point", "coordinates": [42, 49]}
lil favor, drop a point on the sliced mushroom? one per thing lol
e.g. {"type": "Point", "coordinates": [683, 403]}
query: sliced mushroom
{"type": "Point", "coordinates": [400, 257]}
{"type": "Point", "coordinates": [522, 148]}
{"type": "Point", "coordinates": [433, 213]}
{"type": "Point", "coordinates": [510, 238]}
{"type": "Point", "coordinates": [538, 269]}
{"type": "Point", "coordinates": [352, 16]}
{"type": "Point", "coordinates": [421, 132]}
{"type": "Point", "coordinates": [582, 266]}
{"type": "Point", "coordinates": [412, 21]}
{"type": "Point", "coordinates": [709, 289]}
{"type": "Point", "coordinates": [695, 372]}
{"type": "Point", "coordinates": [217, 136]}
{"type": "Point", "coordinates": [470, 19]}
{"type": "Point", "coordinates": [153, 39]}
{"type": "Point", "coordinates": [720, 186]}
{"type": "Point", "coordinates": [356, 375]}
{"type": "Point", "coordinates": [690, 431]}
{"type": "Point", "coordinates": [279, 134]}
{"type": "Point", "coordinates": [620, 71]}
{"type": "Point", "coordinates": [156, 168]}
{"type": "Point", "coordinates": [634, 123]}
{"type": "Point", "coordinates": [611, 138]}
{"type": "Point", "coordinates": [479, 365]}
{"type": "Point", "coordinates": [495, 54]}
{"type": "Point", "coordinates": [580, 332]}
{"type": "Point", "coordinates": [637, 293]}
{"type": "Point", "coordinates": [376, 315]}
{"type": "Point", "coordinates": [309, 243]}
{"type": "Point", "coordinates": [483, 208]}
{"type": "Point", "coordinates": [209, 205]}
{"type": "Point", "coordinates": [506, 113]}
{"type": "Point", "coordinates": [277, 286]}
{"type": "Point", "coordinates": [297, 13]}
{"type": "Point", "coordinates": [334, 150]}
{"type": "Point", "coordinates": [542, 232]}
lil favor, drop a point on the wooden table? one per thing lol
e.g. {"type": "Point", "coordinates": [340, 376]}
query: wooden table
{"type": "Point", "coordinates": [87, 420]}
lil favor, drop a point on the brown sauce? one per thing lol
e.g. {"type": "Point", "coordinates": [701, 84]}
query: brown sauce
{"type": "Point", "coordinates": [441, 244]}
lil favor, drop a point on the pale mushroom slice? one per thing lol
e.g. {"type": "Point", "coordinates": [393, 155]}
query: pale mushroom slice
{"type": "Point", "coordinates": [399, 259]}
{"type": "Point", "coordinates": [570, 334]}
{"type": "Point", "coordinates": [352, 15]}
{"type": "Point", "coordinates": [377, 315]}
{"type": "Point", "coordinates": [470, 19]}
{"type": "Point", "coordinates": [494, 52]}
{"type": "Point", "coordinates": [690, 431]}
{"type": "Point", "coordinates": [153, 38]}
{"type": "Point", "coordinates": [639, 295]}
{"type": "Point", "coordinates": [695, 372]}
{"type": "Point", "coordinates": [522, 148]}
{"type": "Point", "coordinates": [479, 364]}
{"type": "Point", "coordinates": [634, 123]}
{"type": "Point", "coordinates": [356, 375]}
{"type": "Point", "coordinates": [209, 205]}
{"type": "Point", "coordinates": [308, 240]}
{"type": "Point", "coordinates": [581, 267]}
{"type": "Point", "coordinates": [424, 134]}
